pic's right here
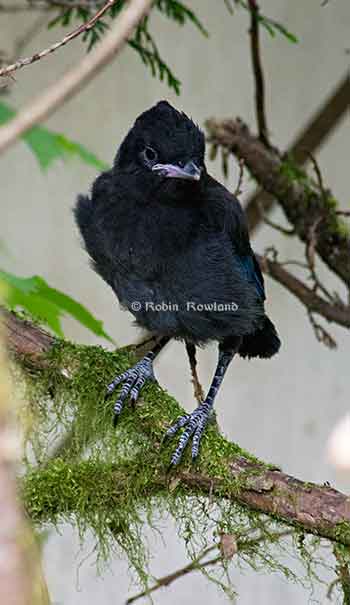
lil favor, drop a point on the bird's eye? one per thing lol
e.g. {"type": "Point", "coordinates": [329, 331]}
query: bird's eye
{"type": "Point", "coordinates": [150, 155]}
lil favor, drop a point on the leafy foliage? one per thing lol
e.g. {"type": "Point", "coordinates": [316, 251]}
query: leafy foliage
{"type": "Point", "coordinates": [47, 304]}
{"type": "Point", "coordinates": [49, 146]}
{"type": "Point", "coordinates": [180, 13]}
{"type": "Point", "coordinates": [111, 480]}
{"type": "Point", "coordinates": [142, 42]}
{"type": "Point", "coordinates": [274, 26]}
{"type": "Point", "coordinates": [270, 25]}
{"type": "Point", "coordinates": [145, 45]}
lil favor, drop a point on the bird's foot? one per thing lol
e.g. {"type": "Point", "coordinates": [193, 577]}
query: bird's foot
{"type": "Point", "coordinates": [133, 380]}
{"type": "Point", "coordinates": [195, 424]}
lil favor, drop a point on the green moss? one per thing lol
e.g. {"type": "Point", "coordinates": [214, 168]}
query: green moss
{"type": "Point", "coordinates": [112, 480]}
{"type": "Point", "coordinates": [82, 397]}
{"type": "Point", "coordinates": [342, 229]}
{"type": "Point", "coordinates": [312, 198]}
{"type": "Point", "coordinates": [293, 172]}
{"type": "Point", "coordinates": [342, 532]}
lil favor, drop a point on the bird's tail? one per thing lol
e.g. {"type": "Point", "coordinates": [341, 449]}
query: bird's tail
{"type": "Point", "coordinates": [263, 343]}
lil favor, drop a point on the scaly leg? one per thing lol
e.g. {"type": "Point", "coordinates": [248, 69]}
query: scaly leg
{"type": "Point", "coordinates": [135, 378]}
{"type": "Point", "coordinates": [196, 422]}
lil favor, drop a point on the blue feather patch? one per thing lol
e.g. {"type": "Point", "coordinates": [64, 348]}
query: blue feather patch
{"type": "Point", "coordinates": [252, 271]}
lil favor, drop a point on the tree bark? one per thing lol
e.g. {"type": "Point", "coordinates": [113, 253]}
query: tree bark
{"type": "Point", "coordinates": [307, 142]}
{"type": "Point", "coordinates": [303, 204]}
{"type": "Point", "coordinates": [316, 509]}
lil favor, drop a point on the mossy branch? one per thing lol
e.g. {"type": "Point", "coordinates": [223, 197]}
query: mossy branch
{"type": "Point", "coordinates": [334, 312]}
{"type": "Point", "coordinates": [315, 509]}
{"type": "Point", "coordinates": [309, 140]}
{"type": "Point", "coordinates": [302, 202]}
{"type": "Point", "coordinates": [223, 469]}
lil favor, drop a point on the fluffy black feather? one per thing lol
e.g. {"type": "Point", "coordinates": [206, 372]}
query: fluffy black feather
{"type": "Point", "coordinates": [167, 236]}
{"type": "Point", "coordinates": [158, 240]}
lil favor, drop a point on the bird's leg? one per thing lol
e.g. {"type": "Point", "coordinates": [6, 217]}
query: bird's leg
{"type": "Point", "coordinates": [134, 379]}
{"type": "Point", "coordinates": [196, 422]}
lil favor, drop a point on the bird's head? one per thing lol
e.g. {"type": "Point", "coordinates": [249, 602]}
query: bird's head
{"type": "Point", "coordinates": [163, 145]}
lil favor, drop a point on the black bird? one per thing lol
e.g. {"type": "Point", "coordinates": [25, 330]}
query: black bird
{"type": "Point", "coordinates": [173, 245]}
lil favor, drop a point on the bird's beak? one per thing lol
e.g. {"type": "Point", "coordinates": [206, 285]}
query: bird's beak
{"type": "Point", "coordinates": [190, 171]}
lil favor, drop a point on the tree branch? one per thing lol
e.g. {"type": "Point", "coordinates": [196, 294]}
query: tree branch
{"type": "Point", "coordinates": [317, 509]}
{"type": "Point", "coordinates": [194, 565]}
{"type": "Point", "coordinates": [197, 387]}
{"type": "Point", "coordinates": [9, 69]}
{"type": "Point", "coordinates": [197, 564]}
{"type": "Point", "coordinates": [258, 72]}
{"type": "Point", "coordinates": [308, 141]}
{"type": "Point", "coordinates": [303, 203]}
{"type": "Point", "coordinates": [77, 77]}
{"type": "Point", "coordinates": [25, 340]}
{"type": "Point", "coordinates": [335, 313]}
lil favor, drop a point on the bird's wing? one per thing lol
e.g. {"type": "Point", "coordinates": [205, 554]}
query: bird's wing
{"type": "Point", "coordinates": [252, 270]}
{"type": "Point", "coordinates": [227, 211]}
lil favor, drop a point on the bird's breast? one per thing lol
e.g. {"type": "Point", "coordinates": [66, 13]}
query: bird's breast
{"type": "Point", "coordinates": [195, 291]}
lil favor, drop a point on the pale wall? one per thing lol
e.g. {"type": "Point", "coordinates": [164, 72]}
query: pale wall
{"type": "Point", "coordinates": [281, 410]}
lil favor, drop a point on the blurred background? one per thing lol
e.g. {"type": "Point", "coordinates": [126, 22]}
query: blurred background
{"type": "Point", "coordinates": [280, 410]}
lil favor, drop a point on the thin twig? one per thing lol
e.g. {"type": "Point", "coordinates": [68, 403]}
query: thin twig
{"type": "Point", "coordinates": [276, 226]}
{"type": "Point", "coordinates": [318, 173]}
{"type": "Point", "coordinates": [196, 565]}
{"type": "Point", "coordinates": [258, 72]}
{"type": "Point", "coordinates": [310, 253]}
{"type": "Point", "coordinates": [316, 131]}
{"type": "Point", "coordinates": [179, 573]}
{"type": "Point", "coordinates": [336, 312]}
{"type": "Point", "coordinates": [85, 27]}
{"type": "Point", "coordinates": [78, 76]}
{"type": "Point", "coordinates": [197, 387]}
{"type": "Point", "coordinates": [301, 202]}
{"type": "Point", "coordinates": [322, 335]}
{"type": "Point", "coordinates": [238, 190]}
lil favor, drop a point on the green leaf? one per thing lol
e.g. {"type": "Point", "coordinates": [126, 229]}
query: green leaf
{"type": "Point", "coordinates": [47, 304]}
{"type": "Point", "coordinates": [146, 48]}
{"type": "Point", "coordinates": [284, 31]}
{"type": "Point", "coordinates": [266, 23]}
{"type": "Point", "coordinates": [48, 146]}
{"type": "Point", "coordinates": [180, 13]}
{"type": "Point", "coordinates": [270, 25]}
{"type": "Point", "coordinates": [157, 66]}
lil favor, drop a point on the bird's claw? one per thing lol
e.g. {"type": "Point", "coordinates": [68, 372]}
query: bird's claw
{"type": "Point", "coordinates": [195, 424]}
{"type": "Point", "coordinates": [133, 380]}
